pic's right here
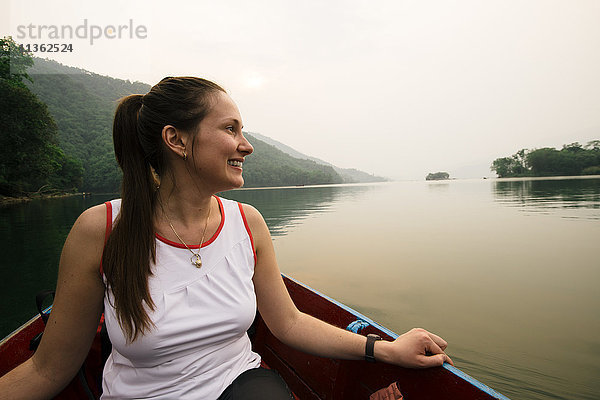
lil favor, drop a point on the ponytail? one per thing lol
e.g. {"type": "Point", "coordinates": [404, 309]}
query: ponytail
{"type": "Point", "coordinates": [127, 266]}
{"type": "Point", "coordinates": [137, 134]}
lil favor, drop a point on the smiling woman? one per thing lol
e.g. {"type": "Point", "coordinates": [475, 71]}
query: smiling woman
{"type": "Point", "coordinates": [178, 307]}
{"type": "Point", "coordinates": [218, 147]}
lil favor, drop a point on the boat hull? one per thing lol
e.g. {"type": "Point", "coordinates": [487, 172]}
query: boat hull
{"type": "Point", "coordinates": [312, 377]}
{"type": "Point", "coordinates": [308, 376]}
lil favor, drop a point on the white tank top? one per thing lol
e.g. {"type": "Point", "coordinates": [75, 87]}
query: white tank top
{"type": "Point", "coordinates": [199, 344]}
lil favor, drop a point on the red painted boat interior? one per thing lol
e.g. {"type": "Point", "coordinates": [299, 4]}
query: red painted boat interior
{"type": "Point", "coordinates": [15, 349]}
{"type": "Point", "coordinates": [309, 377]}
{"type": "Point", "coordinates": [312, 377]}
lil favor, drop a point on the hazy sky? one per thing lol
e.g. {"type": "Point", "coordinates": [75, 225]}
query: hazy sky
{"type": "Point", "coordinates": [395, 88]}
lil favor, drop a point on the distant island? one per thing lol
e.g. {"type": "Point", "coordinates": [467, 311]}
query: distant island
{"type": "Point", "coordinates": [63, 115]}
{"type": "Point", "coordinates": [573, 159]}
{"type": "Point", "coordinates": [437, 176]}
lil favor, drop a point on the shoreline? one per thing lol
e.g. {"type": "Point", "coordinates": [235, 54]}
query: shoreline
{"type": "Point", "coordinates": [7, 200]}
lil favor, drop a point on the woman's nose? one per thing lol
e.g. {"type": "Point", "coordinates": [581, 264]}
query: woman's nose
{"type": "Point", "coordinates": [245, 146]}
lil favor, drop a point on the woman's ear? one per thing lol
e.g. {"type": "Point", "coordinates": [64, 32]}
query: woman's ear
{"type": "Point", "coordinates": [175, 140]}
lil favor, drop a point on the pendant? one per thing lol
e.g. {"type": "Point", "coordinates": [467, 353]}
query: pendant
{"type": "Point", "coordinates": [196, 260]}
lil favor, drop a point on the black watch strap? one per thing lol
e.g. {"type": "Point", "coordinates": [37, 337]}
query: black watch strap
{"type": "Point", "coordinates": [370, 346]}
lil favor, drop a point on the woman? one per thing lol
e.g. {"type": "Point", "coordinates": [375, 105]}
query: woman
{"type": "Point", "coordinates": [176, 312]}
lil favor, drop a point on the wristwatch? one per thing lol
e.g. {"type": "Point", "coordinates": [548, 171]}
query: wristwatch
{"type": "Point", "coordinates": [370, 346]}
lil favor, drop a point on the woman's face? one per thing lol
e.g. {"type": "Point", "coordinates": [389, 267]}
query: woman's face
{"type": "Point", "coordinates": [220, 146]}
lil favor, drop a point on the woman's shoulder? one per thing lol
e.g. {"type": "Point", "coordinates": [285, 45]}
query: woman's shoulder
{"type": "Point", "coordinates": [85, 243]}
{"type": "Point", "coordinates": [91, 224]}
{"type": "Point", "coordinates": [254, 219]}
{"type": "Point", "coordinates": [247, 210]}
{"type": "Point", "coordinates": [251, 212]}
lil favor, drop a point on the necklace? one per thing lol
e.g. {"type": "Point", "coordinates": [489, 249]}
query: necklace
{"type": "Point", "coordinates": [195, 259]}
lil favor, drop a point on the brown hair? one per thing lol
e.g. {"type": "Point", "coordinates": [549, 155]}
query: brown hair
{"type": "Point", "coordinates": [137, 135]}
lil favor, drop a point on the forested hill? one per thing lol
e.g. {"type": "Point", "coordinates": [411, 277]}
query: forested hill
{"type": "Point", "coordinates": [349, 175]}
{"type": "Point", "coordinates": [83, 103]}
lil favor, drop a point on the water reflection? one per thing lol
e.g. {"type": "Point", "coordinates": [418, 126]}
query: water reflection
{"type": "Point", "coordinates": [284, 208]}
{"type": "Point", "coordinates": [31, 238]}
{"type": "Point", "coordinates": [438, 186]}
{"type": "Point", "coordinates": [568, 197]}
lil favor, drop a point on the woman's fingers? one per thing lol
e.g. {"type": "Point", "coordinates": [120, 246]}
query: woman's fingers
{"type": "Point", "coordinates": [436, 360]}
{"type": "Point", "coordinates": [437, 357]}
{"type": "Point", "coordinates": [438, 340]}
{"type": "Point", "coordinates": [448, 360]}
{"type": "Point", "coordinates": [419, 348]}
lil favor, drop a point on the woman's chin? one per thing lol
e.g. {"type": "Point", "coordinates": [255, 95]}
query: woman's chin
{"type": "Point", "coordinates": [235, 184]}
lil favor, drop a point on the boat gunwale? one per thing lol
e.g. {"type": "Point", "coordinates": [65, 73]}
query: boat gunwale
{"type": "Point", "coordinates": [22, 327]}
{"type": "Point", "coordinates": [457, 372]}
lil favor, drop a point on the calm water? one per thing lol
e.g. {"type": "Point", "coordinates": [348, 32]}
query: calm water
{"type": "Point", "coordinates": [507, 271]}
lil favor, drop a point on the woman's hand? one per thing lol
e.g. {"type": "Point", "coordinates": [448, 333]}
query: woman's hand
{"type": "Point", "coordinates": [416, 348]}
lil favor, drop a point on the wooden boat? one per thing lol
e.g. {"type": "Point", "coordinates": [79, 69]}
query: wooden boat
{"type": "Point", "coordinates": [309, 377]}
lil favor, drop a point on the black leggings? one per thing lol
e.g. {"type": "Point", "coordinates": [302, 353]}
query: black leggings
{"type": "Point", "coordinates": [257, 384]}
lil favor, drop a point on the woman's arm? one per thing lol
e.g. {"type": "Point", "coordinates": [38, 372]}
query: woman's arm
{"type": "Point", "coordinates": [74, 318]}
{"type": "Point", "coordinates": [417, 348]}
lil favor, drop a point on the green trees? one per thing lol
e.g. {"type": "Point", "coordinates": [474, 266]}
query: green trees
{"type": "Point", "coordinates": [572, 159]}
{"type": "Point", "coordinates": [513, 166]}
{"type": "Point", "coordinates": [30, 159]}
{"type": "Point", "coordinates": [14, 63]}
{"type": "Point", "coordinates": [84, 123]}
{"type": "Point", "coordinates": [25, 142]}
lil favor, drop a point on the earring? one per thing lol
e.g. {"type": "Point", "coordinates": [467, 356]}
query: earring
{"type": "Point", "coordinates": [184, 155]}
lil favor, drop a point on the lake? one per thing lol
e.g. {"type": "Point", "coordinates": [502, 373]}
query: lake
{"type": "Point", "coordinates": [506, 270]}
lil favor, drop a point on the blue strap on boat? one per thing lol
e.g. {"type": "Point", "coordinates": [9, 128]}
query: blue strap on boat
{"type": "Point", "coordinates": [357, 326]}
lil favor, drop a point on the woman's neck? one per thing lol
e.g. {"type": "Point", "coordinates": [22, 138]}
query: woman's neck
{"type": "Point", "coordinates": [185, 204]}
